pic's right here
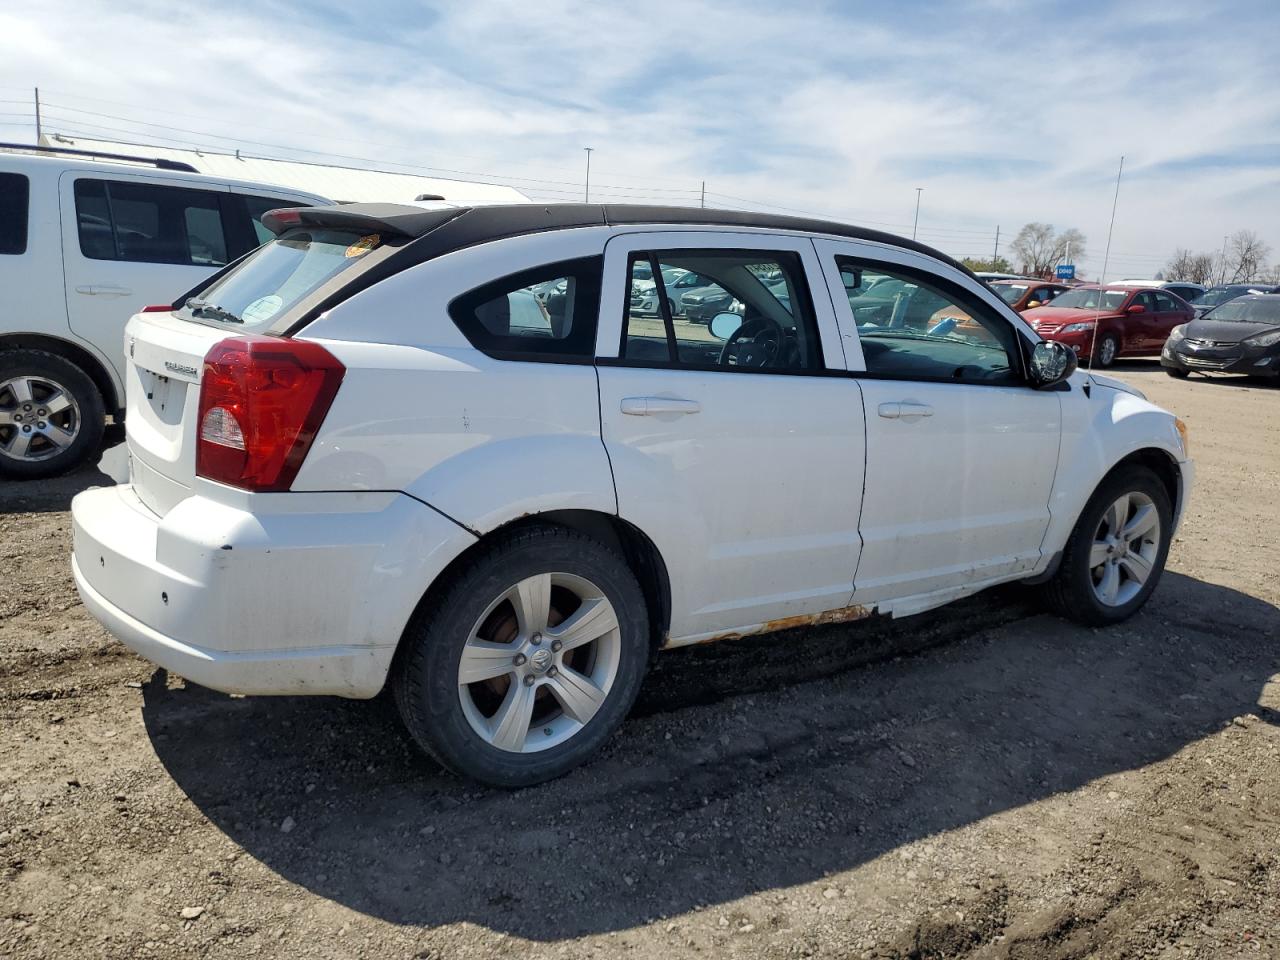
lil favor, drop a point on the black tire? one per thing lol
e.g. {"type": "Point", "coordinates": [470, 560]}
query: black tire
{"type": "Point", "coordinates": [425, 680]}
{"type": "Point", "coordinates": [1099, 351]}
{"type": "Point", "coordinates": [1070, 593]}
{"type": "Point", "coordinates": [43, 459]}
{"type": "Point", "coordinates": [1176, 373]}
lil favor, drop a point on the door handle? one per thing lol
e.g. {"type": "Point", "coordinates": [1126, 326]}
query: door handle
{"type": "Point", "coordinates": [103, 290]}
{"type": "Point", "coordinates": [904, 410]}
{"type": "Point", "coordinates": [652, 406]}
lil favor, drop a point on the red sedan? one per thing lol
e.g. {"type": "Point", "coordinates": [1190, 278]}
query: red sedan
{"type": "Point", "coordinates": [1103, 323]}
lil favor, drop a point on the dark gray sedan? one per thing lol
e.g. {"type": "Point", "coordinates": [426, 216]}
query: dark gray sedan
{"type": "Point", "coordinates": [1241, 336]}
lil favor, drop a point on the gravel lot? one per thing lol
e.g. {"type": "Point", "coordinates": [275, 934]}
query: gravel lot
{"type": "Point", "coordinates": [982, 781]}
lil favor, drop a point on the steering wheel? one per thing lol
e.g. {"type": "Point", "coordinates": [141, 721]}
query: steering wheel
{"type": "Point", "coordinates": [757, 343]}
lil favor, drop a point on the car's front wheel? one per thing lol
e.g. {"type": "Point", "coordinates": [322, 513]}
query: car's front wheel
{"type": "Point", "coordinates": [1177, 373]}
{"type": "Point", "coordinates": [524, 662]}
{"type": "Point", "coordinates": [1116, 553]}
{"type": "Point", "coordinates": [1106, 350]}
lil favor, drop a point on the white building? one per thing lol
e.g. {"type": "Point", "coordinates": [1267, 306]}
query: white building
{"type": "Point", "coordinates": [343, 184]}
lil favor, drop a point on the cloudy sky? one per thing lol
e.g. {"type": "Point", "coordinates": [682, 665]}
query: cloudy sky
{"type": "Point", "coordinates": [1004, 112]}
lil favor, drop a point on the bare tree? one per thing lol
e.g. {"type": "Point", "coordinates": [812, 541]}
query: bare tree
{"type": "Point", "coordinates": [1246, 256]}
{"type": "Point", "coordinates": [1037, 249]}
{"type": "Point", "coordinates": [1192, 267]}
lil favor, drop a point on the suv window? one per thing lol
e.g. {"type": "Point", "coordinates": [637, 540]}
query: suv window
{"type": "Point", "coordinates": [545, 313]}
{"type": "Point", "coordinates": [256, 207]}
{"type": "Point", "coordinates": [774, 327]}
{"type": "Point", "coordinates": [15, 197]}
{"type": "Point", "coordinates": [915, 327]}
{"type": "Point", "coordinates": [149, 223]}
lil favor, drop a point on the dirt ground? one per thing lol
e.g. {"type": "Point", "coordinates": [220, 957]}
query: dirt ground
{"type": "Point", "coordinates": [980, 781]}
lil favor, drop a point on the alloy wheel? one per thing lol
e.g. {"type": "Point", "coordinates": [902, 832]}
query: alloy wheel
{"type": "Point", "coordinates": [1125, 548]}
{"type": "Point", "coordinates": [1106, 352]}
{"type": "Point", "coordinates": [539, 662]}
{"type": "Point", "coordinates": [39, 418]}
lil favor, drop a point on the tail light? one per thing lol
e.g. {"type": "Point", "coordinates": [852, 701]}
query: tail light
{"type": "Point", "coordinates": [262, 399]}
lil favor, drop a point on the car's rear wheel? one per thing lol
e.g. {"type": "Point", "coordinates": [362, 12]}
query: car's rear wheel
{"type": "Point", "coordinates": [520, 667]}
{"type": "Point", "coordinates": [51, 415]}
{"type": "Point", "coordinates": [1106, 350]}
{"type": "Point", "coordinates": [1116, 553]}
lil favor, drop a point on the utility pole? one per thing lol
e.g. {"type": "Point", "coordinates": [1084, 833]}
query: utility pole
{"type": "Point", "coordinates": [1222, 278]}
{"type": "Point", "coordinates": [586, 193]}
{"type": "Point", "coordinates": [703, 201]}
{"type": "Point", "coordinates": [38, 128]}
{"type": "Point", "coordinates": [916, 223]}
{"type": "Point", "coordinates": [995, 252]}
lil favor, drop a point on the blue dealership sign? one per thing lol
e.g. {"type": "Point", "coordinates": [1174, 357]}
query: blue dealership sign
{"type": "Point", "coordinates": [1066, 271]}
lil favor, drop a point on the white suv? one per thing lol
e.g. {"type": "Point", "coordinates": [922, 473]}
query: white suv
{"type": "Point", "coordinates": [350, 466]}
{"type": "Point", "coordinates": [87, 240]}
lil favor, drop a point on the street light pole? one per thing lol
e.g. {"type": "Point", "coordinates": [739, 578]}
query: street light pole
{"type": "Point", "coordinates": [916, 222]}
{"type": "Point", "coordinates": [1222, 277]}
{"type": "Point", "coordinates": [586, 191]}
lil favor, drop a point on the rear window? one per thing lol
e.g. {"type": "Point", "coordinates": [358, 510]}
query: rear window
{"type": "Point", "coordinates": [15, 195]}
{"type": "Point", "coordinates": [277, 276]}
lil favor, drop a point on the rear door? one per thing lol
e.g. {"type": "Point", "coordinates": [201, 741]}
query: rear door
{"type": "Point", "coordinates": [961, 452]}
{"type": "Point", "coordinates": [738, 451]}
{"type": "Point", "coordinates": [130, 240]}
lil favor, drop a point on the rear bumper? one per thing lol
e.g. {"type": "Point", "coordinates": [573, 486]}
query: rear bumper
{"type": "Point", "coordinates": [307, 593]}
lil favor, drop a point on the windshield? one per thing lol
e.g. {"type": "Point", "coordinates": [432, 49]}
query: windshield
{"type": "Point", "coordinates": [1249, 310]}
{"type": "Point", "coordinates": [1085, 299]}
{"type": "Point", "coordinates": [1216, 295]}
{"type": "Point", "coordinates": [278, 275]}
{"type": "Point", "coordinates": [1009, 292]}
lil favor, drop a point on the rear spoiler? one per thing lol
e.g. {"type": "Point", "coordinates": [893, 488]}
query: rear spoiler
{"type": "Point", "coordinates": [387, 219]}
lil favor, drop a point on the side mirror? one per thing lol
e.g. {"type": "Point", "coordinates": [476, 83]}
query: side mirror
{"type": "Point", "coordinates": [1136, 308]}
{"type": "Point", "coordinates": [723, 325]}
{"type": "Point", "coordinates": [1051, 362]}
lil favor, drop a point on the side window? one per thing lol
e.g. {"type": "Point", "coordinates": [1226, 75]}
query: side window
{"type": "Point", "coordinates": [914, 326]}
{"type": "Point", "coordinates": [1148, 300]}
{"type": "Point", "coordinates": [1165, 303]}
{"type": "Point", "coordinates": [149, 223]}
{"type": "Point", "coordinates": [722, 309]}
{"type": "Point", "coordinates": [257, 207]}
{"type": "Point", "coordinates": [1044, 294]}
{"type": "Point", "coordinates": [547, 313]}
{"type": "Point", "coordinates": [15, 198]}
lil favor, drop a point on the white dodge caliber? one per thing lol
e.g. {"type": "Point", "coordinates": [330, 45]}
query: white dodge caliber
{"type": "Point", "coordinates": [430, 446]}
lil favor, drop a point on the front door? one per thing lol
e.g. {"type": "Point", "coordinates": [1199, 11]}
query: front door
{"type": "Point", "coordinates": [736, 441]}
{"type": "Point", "coordinates": [133, 240]}
{"type": "Point", "coordinates": [961, 453]}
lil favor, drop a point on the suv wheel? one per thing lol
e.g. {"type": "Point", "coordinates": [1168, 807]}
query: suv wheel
{"type": "Point", "coordinates": [1117, 551]}
{"type": "Point", "coordinates": [51, 415]}
{"type": "Point", "coordinates": [527, 660]}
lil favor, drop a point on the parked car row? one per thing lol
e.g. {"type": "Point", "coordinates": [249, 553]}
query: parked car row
{"type": "Point", "coordinates": [85, 242]}
{"type": "Point", "coordinates": [576, 484]}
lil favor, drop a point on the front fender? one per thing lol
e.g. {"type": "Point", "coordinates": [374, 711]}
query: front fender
{"type": "Point", "coordinates": [1098, 431]}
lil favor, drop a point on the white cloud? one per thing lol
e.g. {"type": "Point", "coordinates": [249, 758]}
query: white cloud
{"type": "Point", "coordinates": [1003, 112]}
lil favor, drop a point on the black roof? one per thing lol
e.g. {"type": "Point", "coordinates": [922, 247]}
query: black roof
{"type": "Point", "coordinates": [435, 232]}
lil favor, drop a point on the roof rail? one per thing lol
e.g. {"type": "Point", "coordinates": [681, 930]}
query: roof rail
{"type": "Point", "coordinates": [158, 162]}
